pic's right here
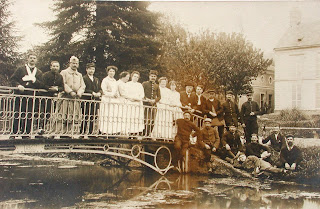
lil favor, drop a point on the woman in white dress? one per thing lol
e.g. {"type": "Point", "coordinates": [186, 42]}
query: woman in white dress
{"type": "Point", "coordinates": [109, 102]}
{"type": "Point", "coordinates": [122, 107]}
{"type": "Point", "coordinates": [135, 93]}
{"type": "Point", "coordinates": [163, 121]}
{"type": "Point", "coordinates": [176, 103]}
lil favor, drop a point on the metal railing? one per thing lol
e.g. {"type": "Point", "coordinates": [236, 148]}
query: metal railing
{"type": "Point", "coordinates": [33, 113]}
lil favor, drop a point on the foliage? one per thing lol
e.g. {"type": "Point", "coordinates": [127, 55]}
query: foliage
{"type": "Point", "coordinates": [108, 33]}
{"type": "Point", "coordinates": [8, 43]}
{"type": "Point", "coordinates": [222, 61]}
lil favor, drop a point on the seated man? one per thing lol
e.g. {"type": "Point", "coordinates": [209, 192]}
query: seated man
{"type": "Point", "coordinates": [275, 140]}
{"type": "Point", "coordinates": [210, 141]}
{"type": "Point", "coordinates": [182, 139]}
{"type": "Point", "coordinates": [255, 164]}
{"type": "Point", "coordinates": [290, 155]}
{"type": "Point", "coordinates": [230, 143]}
{"type": "Point", "coordinates": [256, 149]}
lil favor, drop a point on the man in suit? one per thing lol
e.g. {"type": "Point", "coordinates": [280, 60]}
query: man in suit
{"type": "Point", "coordinates": [214, 110]}
{"type": "Point", "coordinates": [28, 76]}
{"type": "Point", "coordinates": [249, 111]}
{"type": "Point", "coordinates": [200, 101]}
{"type": "Point", "coordinates": [275, 140]}
{"type": "Point", "coordinates": [188, 98]}
{"type": "Point", "coordinates": [152, 96]}
{"type": "Point", "coordinates": [90, 109]}
{"type": "Point", "coordinates": [231, 111]}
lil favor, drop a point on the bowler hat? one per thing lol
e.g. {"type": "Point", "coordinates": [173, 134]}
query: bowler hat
{"type": "Point", "coordinates": [153, 72]}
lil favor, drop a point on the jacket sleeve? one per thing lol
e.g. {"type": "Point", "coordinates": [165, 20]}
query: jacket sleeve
{"type": "Point", "coordinates": [266, 140]}
{"type": "Point", "coordinates": [16, 78]}
{"type": "Point", "coordinates": [238, 114]}
{"type": "Point", "coordinates": [219, 110]}
{"type": "Point", "coordinates": [82, 86]}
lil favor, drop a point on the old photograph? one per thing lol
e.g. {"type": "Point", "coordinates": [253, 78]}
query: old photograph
{"type": "Point", "coordinates": [159, 104]}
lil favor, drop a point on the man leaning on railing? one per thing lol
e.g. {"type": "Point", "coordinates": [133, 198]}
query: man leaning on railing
{"type": "Point", "coordinates": [26, 105]}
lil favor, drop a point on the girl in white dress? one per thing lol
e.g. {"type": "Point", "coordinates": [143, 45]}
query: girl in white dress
{"type": "Point", "coordinates": [163, 121]}
{"type": "Point", "coordinates": [122, 119]}
{"type": "Point", "coordinates": [109, 102]}
{"type": "Point", "coordinates": [135, 93]}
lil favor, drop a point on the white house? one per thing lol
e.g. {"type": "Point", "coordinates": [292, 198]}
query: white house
{"type": "Point", "coordinates": [297, 66]}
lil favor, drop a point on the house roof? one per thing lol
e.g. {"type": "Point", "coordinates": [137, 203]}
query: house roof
{"type": "Point", "coordinates": [302, 35]}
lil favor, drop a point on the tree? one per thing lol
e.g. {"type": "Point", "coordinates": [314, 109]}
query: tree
{"type": "Point", "coordinates": [8, 43]}
{"type": "Point", "coordinates": [221, 61]}
{"type": "Point", "coordinates": [235, 62]}
{"type": "Point", "coordinates": [183, 56]}
{"type": "Point", "coordinates": [108, 33]}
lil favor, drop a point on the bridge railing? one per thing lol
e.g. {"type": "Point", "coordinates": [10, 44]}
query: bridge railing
{"type": "Point", "coordinates": [33, 113]}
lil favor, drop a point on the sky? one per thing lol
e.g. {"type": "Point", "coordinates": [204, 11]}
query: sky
{"type": "Point", "coordinates": [262, 22]}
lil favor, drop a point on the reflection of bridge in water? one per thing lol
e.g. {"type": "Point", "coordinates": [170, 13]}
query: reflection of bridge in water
{"type": "Point", "coordinates": [33, 122]}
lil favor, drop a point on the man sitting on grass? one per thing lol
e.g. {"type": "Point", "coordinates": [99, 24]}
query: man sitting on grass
{"type": "Point", "coordinates": [290, 155]}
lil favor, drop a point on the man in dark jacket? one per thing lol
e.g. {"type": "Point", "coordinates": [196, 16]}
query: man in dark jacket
{"type": "Point", "coordinates": [200, 101]}
{"type": "Point", "coordinates": [182, 139]}
{"type": "Point", "coordinates": [276, 140]}
{"type": "Point", "coordinates": [214, 110]}
{"type": "Point", "coordinates": [188, 98]}
{"type": "Point", "coordinates": [231, 111]}
{"type": "Point", "coordinates": [53, 83]}
{"type": "Point", "coordinates": [256, 149]}
{"type": "Point", "coordinates": [27, 76]}
{"type": "Point", "coordinates": [231, 144]}
{"type": "Point", "coordinates": [152, 96]}
{"type": "Point", "coordinates": [209, 141]}
{"type": "Point", "coordinates": [290, 155]}
{"type": "Point", "coordinates": [249, 111]}
{"type": "Point", "coordinates": [90, 108]}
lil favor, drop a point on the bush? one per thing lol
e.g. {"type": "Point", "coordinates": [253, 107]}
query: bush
{"type": "Point", "coordinates": [291, 118]}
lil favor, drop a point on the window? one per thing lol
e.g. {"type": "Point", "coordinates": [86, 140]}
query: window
{"type": "Point", "coordinates": [262, 78]}
{"type": "Point", "coordinates": [270, 80]}
{"type": "Point", "coordinates": [261, 100]}
{"type": "Point", "coordinates": [296, 95]}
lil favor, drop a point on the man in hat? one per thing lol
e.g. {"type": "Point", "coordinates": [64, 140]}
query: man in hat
{"type": "Point", "coordinates": [28, 76]}
{"type": "Point", "coordinates": [152, 96]}
{"type": "Point", "coordinates": [231, 111]}
{"type": "Point", "coordinates": [188, 98]}
{"type": "Point", "coordinates": [210, 141]}
{"type": "Point", "coordinates": [182, 139]}
{"type": "Point", "coordinates": [214, 110]}
{"type": "Point", "coordinates": [290, 155]}
{"type": "Point", "coordinates": [90, 109]}
{"type": "Point", "coordinates": [275, 140]}
{"type": "Point", "coordinates": [249, 111]}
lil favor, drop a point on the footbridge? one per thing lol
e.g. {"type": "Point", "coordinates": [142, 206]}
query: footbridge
{"type": "Point", "coordinates": [31, 121]}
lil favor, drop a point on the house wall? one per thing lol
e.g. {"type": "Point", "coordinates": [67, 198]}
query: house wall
{"type": "Point", "coordinates": [297, 78]}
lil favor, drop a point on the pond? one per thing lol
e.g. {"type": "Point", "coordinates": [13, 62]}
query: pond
{"type": "Point", "coordinates": [29, 183]}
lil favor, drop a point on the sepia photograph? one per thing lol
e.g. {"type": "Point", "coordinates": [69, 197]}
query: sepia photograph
{"type": "Point", "coordinates": [159, 104]}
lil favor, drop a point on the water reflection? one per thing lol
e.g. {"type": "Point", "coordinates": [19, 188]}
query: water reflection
{"type": "Point", "coordinates": [36, 184]}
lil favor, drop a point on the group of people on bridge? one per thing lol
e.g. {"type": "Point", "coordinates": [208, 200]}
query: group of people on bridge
{"type": "Point", "coordinates": [83, 105]}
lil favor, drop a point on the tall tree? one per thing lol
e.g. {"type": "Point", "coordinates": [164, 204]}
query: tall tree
{"type": "Point", "coordinates": [8, 43]}
{"type": "Point", "coordinates": [108, 33]}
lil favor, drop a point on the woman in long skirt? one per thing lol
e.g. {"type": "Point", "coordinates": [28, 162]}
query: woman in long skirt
{"type": "Point", "coordinates": [122, 120]}
{"type": "Point", "coordinates": [164, 120]}
{"type": "Point", "coordinates": [109, 103]}
{"type": "Point", "coordinates": [135, 93]}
